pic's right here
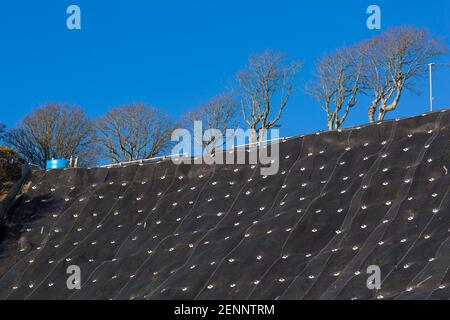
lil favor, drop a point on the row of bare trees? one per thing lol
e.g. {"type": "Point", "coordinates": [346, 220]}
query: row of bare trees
{"type": "Point", "coordinates": [378, 70]}
{"type": "Point", "coordinates": [124, 133]}
{"type": "Point", "coordinates": [138, 131]}
{"type": "Point", "coordinates": [381, 69]}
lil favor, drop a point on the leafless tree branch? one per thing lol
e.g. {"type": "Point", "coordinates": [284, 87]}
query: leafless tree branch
{"type": "Point", "coordinates": [53, 131]}
{"type": "Point", "coordinates": [337, 83]}
{"type": "Point", "coordinates": [395, 59]}
{"type": "Point", "coordinates": [133, 132]}
{"type": "Point", "coordinates": [265, 87]}
{"type": "Point", "coordinates": [218, 113]}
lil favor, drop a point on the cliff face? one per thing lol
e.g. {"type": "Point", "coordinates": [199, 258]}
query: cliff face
{"type": "Point", "coordinates": [342, 201]}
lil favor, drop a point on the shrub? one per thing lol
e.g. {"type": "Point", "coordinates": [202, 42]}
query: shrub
{"type": "Point", "coordinates": [10, 167]}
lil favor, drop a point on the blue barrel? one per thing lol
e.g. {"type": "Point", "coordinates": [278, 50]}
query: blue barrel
{"type": "Point", "coordinates": [56, 164]}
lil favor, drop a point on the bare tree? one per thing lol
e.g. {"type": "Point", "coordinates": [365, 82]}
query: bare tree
{"type": "Point", "coordinates": [265, 87]}
{"type": "Point", "coordinates": [53, 131]}
{"type": "Point", "coordinates": [133, 132]}
{"type": "Point", "coordinates": [337, 83]}
{"type": "Point", "coordinates": [218, 113]}
{"type": "Point", "coordinates": [395, 58]}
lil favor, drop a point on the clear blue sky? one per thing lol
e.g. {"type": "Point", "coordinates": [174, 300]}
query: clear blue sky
{"type": "Point", "coordinates": [177, 54]}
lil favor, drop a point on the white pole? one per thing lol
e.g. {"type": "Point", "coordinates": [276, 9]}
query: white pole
{"type": "Point", "coordinates": [431, 65]}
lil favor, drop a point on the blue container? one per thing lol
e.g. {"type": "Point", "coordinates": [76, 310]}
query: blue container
{"type": "Point", "coordinates": [56, 164]}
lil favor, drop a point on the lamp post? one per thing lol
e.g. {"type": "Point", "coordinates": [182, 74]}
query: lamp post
{"type": "Point", "coordinates": [431, 65]}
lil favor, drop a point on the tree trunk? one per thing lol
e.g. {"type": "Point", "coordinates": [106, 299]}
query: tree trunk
{"type": "Point", "coordinates": [262, 134]}
{"type": "Point", "coordinates": [385, 108]}
{"type": "Point", "coordinates": [253, 138]}
{"type": "Point", "coordinates": [372, 110]}
{"type": "Point", "coordinates": [330, 122]}
{"type": "Point", "coordinates": [381, 114]}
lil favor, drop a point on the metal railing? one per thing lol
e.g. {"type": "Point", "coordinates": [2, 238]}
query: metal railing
{"type": "Point", "coordinates": [141, 161]}
{"type": "Point", "coordinates": [185, 154]}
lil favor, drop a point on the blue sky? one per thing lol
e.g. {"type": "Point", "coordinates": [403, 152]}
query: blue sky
{"type": "Point", "coordinates": [177, 54]}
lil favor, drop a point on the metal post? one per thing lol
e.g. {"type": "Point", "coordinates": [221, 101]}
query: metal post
{"type": "Point", "coordinates": [431, 65]}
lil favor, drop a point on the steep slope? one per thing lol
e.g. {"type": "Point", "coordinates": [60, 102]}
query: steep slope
{"type": "Point", "coordinates": [341, 202]}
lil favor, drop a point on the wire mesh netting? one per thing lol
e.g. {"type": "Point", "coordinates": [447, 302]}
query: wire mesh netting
{"type": "Point", "coordinates": [341, 202]}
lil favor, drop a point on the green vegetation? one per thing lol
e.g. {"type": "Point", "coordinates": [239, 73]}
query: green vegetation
{"type": "Point", "coordinates": [10, 170]}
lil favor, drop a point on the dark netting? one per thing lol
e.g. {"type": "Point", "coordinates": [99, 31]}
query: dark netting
{"type": "Point", "coordinates": [341, 201]}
